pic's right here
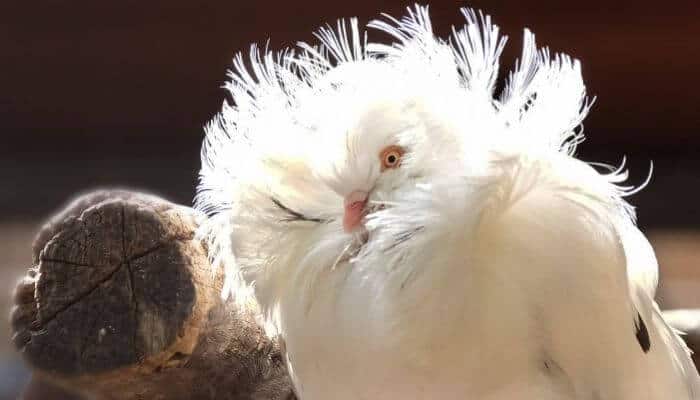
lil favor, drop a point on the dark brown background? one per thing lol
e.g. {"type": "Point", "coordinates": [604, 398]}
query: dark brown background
{"type": "Point", "coordinates": [115, 92]}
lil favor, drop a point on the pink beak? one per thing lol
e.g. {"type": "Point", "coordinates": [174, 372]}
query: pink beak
{"type": "Point", "coordinates": [355, 204]}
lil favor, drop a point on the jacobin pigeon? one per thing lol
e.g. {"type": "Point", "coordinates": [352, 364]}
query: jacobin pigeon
{"type": "Point", "coordinates": [409, 234]}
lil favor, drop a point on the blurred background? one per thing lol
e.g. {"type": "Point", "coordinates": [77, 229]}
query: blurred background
{"type": "Point", "coordinates": [115, 93]}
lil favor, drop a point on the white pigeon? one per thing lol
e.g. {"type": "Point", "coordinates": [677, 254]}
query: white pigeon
{"type": "Point", "coordinates": [410, 236]}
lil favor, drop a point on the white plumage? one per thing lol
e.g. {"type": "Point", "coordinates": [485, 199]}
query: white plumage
{"type": "Point", "coordinates": [412, 237]}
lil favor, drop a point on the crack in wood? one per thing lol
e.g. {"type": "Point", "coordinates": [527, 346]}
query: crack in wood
{"type": "Point", "coordinates": [132, 287]}
{"type": "Point", "coordinates": [158, 247]}
{"type": "Point", "coordinates": [66, 262]}
{"type": "Point", "coordinates": [80, 297]}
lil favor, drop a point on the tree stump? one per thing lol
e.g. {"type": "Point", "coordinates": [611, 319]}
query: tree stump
{"type": "Point", "coordinates": [121, 303]}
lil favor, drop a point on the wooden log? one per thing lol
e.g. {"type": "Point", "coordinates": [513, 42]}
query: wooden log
{"type": "Point", "coordinates": [121, 303]}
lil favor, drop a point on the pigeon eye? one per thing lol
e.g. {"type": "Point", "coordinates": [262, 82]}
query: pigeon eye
{"type": "Point", "coordinates": [390, 157]}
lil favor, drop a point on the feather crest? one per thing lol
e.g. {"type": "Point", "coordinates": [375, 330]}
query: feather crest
{"type": "Point", "coordinates": [285, 99]}
{"type": "Point", "coordinates": [477, 50]}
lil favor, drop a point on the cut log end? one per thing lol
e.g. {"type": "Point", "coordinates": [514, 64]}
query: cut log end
{"type": "Point", "coordinates": [121, 299]}
{"type": "Point", "coordinates": [115, 286]}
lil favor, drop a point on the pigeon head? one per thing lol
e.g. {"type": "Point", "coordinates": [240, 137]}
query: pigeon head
{"type": "Point", "coordinates": [386, 150]}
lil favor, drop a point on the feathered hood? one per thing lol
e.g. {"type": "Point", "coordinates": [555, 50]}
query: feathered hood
{"type": "Point", "coordinates": [266, 181]}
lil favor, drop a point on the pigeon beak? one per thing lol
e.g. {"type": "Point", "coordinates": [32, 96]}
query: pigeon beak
{"type": "Point", "coordinates": [354, 204]}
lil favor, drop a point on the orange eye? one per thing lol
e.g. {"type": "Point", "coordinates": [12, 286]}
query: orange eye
{"type": "Point", "coordinates": [390, 157]}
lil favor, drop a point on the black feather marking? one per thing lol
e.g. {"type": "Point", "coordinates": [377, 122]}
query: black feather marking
{"type": "Point", "coordinates": [558, 377]}
{"type": "Point", "coordinates": [293, 216]}
{"type": "Point", "coordinates": [642, 334]}
{"type": "Point", "coordinates": [404, 237]}
{"type": "Point", "coordinates": [552, 367]}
